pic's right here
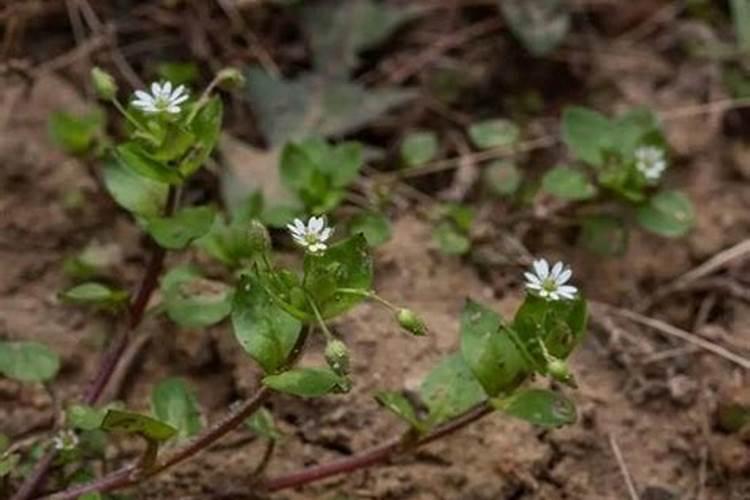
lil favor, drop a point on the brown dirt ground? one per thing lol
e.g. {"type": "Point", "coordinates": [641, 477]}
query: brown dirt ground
{"type": "Point", "coordinates": [659, 410]}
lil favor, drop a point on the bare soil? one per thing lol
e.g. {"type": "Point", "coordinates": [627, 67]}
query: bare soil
{"type": "Point", "coordinates": [651, 396]}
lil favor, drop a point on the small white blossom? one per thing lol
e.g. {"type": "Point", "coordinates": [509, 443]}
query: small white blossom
{"type": "Point", "coordinates": [650, 161]}
{"type": "Point", "coordinates": [162, 98]}
{"type": "Point", "coordinates": [65, 440]}
{"type": "Point", "coordinates": [311, 236]}
{"type": "Point", "coordinates": [550, 284]}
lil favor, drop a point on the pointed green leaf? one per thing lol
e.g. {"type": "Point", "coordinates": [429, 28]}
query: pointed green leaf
{"type": "Point", "coordinates": [135, 423]}
{"type": "Point", "coordinates": [305, 382]}
{"type": "Point", "coordinates": [539, 407]}
{"type": "Point", "coordinates": [206, 128]}
{"type": "Point", "coordinates": [95, 294]}
{"type": "Point", "coordinates": [180, 230]}
{"type": "Point", "coordinates": [28, 361]}
{"type": "Point", "coordinates": [450, 389]}
{"type": "Point", "coordinates": [668, 213]}
{"type": "Point", "coordinates": [587, 133]}
{"type": "Point", "coordinates": [76, 134]}
{"type": "Point", "coordinates": [262, 423]}
{"type": "Point", "coordinates": [84, 417]}
{"type": "Point", "coordinates": [173, 402]}
{"type": "Point", "coordinates": [134, 192]}
{"type": "Point", "coordinates": [559, 324]}
{"type": "Point", "coordinates": [133, 156]}
{"type": "Point", "coordinates": [193, 301]}
{"type": "Point", "coordinates": [397, 404]}
{"type": "Point", "coordinates": [374, 226]}
{"type": "Point", "coordinates": [489, 351]}
{"type": "Point", "coordinates": [8, 463]}
{"type": "Point", "coordinates": [263, 329]}
{"type": "Point", "coordinates": [347, 264]}
{"type": "Point", "coordinates": [568, 184]}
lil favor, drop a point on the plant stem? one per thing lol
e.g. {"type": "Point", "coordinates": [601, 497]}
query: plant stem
{"type": "Point", "coordinates": [372, 455]}
{"type": "Point", "coordinates": [130, 475]}
{"type": "Point", "coordinates": [112, 357]}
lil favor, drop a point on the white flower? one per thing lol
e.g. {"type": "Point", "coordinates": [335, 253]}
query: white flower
{"type": "Point", "coordinates": [162, 98]}
{"type": "Point", "coordinates": [65, 440]}
{"type": "Point", "coordinates": [550, 284]}
{"type": "Point", "coordinates": [311, 236]}
{"type": "Point", "coordinates": [650, 161]}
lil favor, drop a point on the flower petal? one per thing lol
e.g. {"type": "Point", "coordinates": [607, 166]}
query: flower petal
{"type": "Point", "coordinates": [556, 270]}
{"type": "Point", "coordinates": [541, 267]}
{"type": "Point", "coordinates": [567, 291]}
{"type": "Point", "coordinates": [563, 277]}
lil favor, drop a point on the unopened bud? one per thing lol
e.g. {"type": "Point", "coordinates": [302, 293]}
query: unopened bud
{"type": "Point", "coordinates": [230, 78]}
{"type": "Point", "coordinates": [257, 236]}
{"type": "Point", "coordinates": [104, 83]}
{"type": "Point", "coordinates": [559, 371]}
{"type": "Point", "coordinates": [411, 322]}
{"type": "Point", "coordinates": [337, 357]}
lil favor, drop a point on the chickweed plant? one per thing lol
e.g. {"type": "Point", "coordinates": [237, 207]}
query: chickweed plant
{"type": "Point", "coordinates": [274, 310]}
{"type": "Point", "coordinates": [620, 168]}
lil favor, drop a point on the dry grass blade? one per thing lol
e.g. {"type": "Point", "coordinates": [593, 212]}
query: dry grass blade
{"type": "Point", "coordinates": [623, 468]}
{"type": "Point", "coordinates": [673, 331]}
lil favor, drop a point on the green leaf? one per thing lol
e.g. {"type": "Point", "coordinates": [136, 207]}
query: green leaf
{"type": "Point", "coordinates": [559, 324]}
{"type": "Point", "coordinates": [568, 184]}
{"type": "Point", "coordinates": [502, 178]}
{"type": "Point", "coordinates": [263, 329]}
{"type": "Point", "coordinates": [134, 192]}
{"type": "Point", "coordinates": [668, 213]}
{"type": "Point", "coordinates": [95, 294]}
{"type": "Point", "coordinates": [635, 128]}
{"type": "Point", "coordinates": [419, 148]}
{"type": "Point", "coordinates": [489, 351]}
{"type": "Point", "coordinates": [305, 382]}
{"type": "Point", "coordinates": [173, 402]}
{"type": "Point", "coordinates": [236, 244]}
{"type": "Point", "coordinates": [604, 234]}
{"type": "Point", "coordinates": [133, 156]}
{"type": "Point", "coordinates": [76, 134]}
{"type": "Point", "coordinates": [347, 264]}
{"type": "Point", "coordinates": [343, 163]}
{"type": "Point", "coordinates": [8, 463]}
{"type": "Point", "coordinates": [400, 406]}
{"type": "Point", "coordinates": [315, 105]}
{"type": "Point", "coordinates": [28, 361]}
{"type": "Point", "coordinates": [339, 30]}
{"type": "Point", "coordinates": [450, 389]}
{"type": "Point", "coordinates": [4, 443]}
{"type": "Point", "coordinates": [374, 226]}
{"type": "Point", "coordinates": [84, 417]}
{"type": "Point", "coordinates": [587, 133]}
{"type": "Point", "coordinates": [539, 407]}
{"type": "Point", "coordinates": [206, 127]}
{"type": "Point", "coordinates": [262, 423]}
{"type": "Point", "coordinates": [135, 423]}
{"type": "Point", "coordinates": [180, 230]}
{"type": "Point", "coordinates": [540, 25]}
{"type": "Point", "coordinates": [450, 240]}
{"type": "Point", "coordinates": [495, 133]}
{"type": "Point", "coordinates": [193, 301]}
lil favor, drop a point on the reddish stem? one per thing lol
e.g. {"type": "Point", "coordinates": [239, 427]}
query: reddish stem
{"type": "Point", "coordinates": [112, 357]}
{"type": "Point", "coordinates": [370, 456]}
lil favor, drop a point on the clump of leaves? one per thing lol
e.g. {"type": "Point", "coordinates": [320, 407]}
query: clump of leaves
{"type": "Point", "coordinates": [623, 160]}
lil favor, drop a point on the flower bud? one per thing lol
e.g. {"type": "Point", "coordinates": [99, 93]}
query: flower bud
{"type": "Point", "coordinates": [559, 371]}
{"type": "Point", "coordinates": [257, 237]}
{"type": "Point", "coordinates": [411, 322]}
{"type": "Point", "coordinates": [104, 83]}
{"type": "Point", "coordinates": [230, 78]}
{"type": "Point", "coordinates": [337, 357]}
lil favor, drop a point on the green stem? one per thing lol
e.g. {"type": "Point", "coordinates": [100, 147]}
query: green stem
{"type": "Point", "coordinates": [369, 294]}
{"type": "Point", "coordinates": [328, 335]}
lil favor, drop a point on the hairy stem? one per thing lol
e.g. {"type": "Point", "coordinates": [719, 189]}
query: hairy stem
{"type": "Point", "coordinates": [112, 357]}
{"type": "Point", "coordinates": [372, 455]}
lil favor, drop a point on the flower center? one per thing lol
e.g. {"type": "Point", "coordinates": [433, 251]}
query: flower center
{"type": "Point", "coordinates": [549, 285]}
